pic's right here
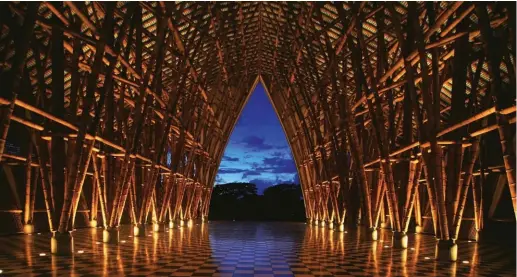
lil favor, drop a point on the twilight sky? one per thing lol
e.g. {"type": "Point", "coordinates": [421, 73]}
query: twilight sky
{"type": "Point", "coordinates": [258, 151]}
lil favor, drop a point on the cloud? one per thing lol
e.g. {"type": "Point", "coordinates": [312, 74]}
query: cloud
{"type": "Point", "coordinates": [277, 165]}
{"type": "Point", "coordinates": [230, 159]}
{"type": "Point", "coordinates": [251, 173]}
{"type": "Point", "coordinates": [219, 179]}
{"type": "Point", "coordinates": [256, 143]}
{"type": "Point", "coordinates": [227, 170]}
{"type": "Point", "coordinates": [278, 154]}
{"type": "Point", "coordinates": [296, 179]}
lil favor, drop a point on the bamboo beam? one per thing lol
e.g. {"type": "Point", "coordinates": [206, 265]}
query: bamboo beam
{"type": "Point", "coordinates": [451, 129]}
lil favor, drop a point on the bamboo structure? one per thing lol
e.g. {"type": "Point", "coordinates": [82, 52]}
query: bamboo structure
{"type": "Point", "coordinates": [386, 107]}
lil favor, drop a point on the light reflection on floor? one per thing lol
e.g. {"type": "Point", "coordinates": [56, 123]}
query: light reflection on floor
{"type": "Point", "coordinates": [248, 249]}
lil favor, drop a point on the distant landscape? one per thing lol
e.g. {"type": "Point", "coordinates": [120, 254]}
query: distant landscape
{"type": "Point", "coordinates": [240, 201]}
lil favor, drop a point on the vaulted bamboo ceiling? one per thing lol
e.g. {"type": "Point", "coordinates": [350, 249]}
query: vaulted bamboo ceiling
{"type": "Point", "coordinates": [213, 52]}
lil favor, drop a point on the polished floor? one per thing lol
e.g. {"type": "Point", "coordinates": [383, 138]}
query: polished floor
{"type": "Point", "coordinates": [248, 249]}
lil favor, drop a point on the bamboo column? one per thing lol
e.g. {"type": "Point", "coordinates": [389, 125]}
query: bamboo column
{"type": "Point", "coordinates": [30, 194]}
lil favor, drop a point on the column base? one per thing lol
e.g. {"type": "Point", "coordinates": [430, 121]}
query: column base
{"type": "Point", "coordinates": [474, 237]}
{"type": "Point", "coordinates": [93, 223]}
{"type": "Point", "coordinates": [322, 224]}
{"type": "Point", "coordinates": [341, 227]}
{"type": "Point", "coordinates": [62, 244]}
{"type": "Point", "coordinates": [28, 229]}
{"type": "Point", "coordinates": [419, 229]}
{"type": "Point", "coordinates": [331, 225]}
{"type": "Point", "coordinates": [315, 222]}
{"type": "Point", "coordinates": [110, 235]}
{"type": "Point", "coordinates": [374, 234]}
{"type": "Point", "coordinates": [139, 230]}
{"type": "Point", "coordinates": [171, 224]}
{"type": "Point", "coordinates": [181, 223]}
{"type": "Point", "coordinates": [400, 240]}
{"type": "Point", "coordinates": [446, 250]}
{"type": "Point", "coordinates": [190, 223]}
{"type": "Point", "coordinates": [159, 227]}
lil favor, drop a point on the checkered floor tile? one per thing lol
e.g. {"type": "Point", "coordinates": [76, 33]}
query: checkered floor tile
{"type": "Point", "coordinates": [248, 249]}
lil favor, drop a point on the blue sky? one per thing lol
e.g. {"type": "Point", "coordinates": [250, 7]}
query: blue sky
{"type": "Point", "coordinates": [258, 151]}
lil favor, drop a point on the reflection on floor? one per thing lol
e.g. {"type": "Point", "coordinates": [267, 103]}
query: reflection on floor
{"type": "Point", "coordinates": [248, 249]}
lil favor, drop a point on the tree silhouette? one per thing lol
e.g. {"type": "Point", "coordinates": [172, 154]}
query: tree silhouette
{"type": "Point", "coordinates": [240, 201]}
{"type": "Point", "coordinates": [284, 202]}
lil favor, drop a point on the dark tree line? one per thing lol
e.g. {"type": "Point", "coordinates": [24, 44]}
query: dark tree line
{"type": "Point", "coordinates": [240, 201]}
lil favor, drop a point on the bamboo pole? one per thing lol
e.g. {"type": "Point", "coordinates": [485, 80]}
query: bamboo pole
{"type": "Point", "coordinates": [381, 192]}
{"type": "Point", "coordinates": [132, 201]}
{"type": "Point", "coordinates": [452, 182]}
{"type": "Point", "coordinates": [414, 176]}
{"type": "Point", "coordinates": [45, 182]}
{"type": "Point", "coordinates": [27, 215]}
{"type": "Point", "coordinates": [100, 189]}
{"type": "Point", "coordinates": [432, 197]}
{"type": "Point", "coordinates": [461, 198]}
{"type": "Point", "coordinates": [95, 193]}
{"type": "Point", "coordinates": [121, 206]}
{"type": "Point", "coordinates": [417, 206]}
{"type": "Point", "coordinates": [475, 203]}
{"type": "Point", "coordinates": [80, 182]}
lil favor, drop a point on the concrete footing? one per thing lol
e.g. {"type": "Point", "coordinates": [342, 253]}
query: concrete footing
{"type": "Point", "coordinates": [139, 230]}
{"type": "Point", "coordinates": [419, 229]}
{"type": "Point", "coordinates": [28, 229]}
{"type": "Point", "coordinates": [62, 244]}
{"type": "Point", "coordinates": [400, 240]}
{"type": "Point", "coordinates": [446, 250]}
{"type": "Point", "coordinates": [474, 236]}
{"type": "Point", "coordinates": [374, 233]}
{"type": "Point", "coordinates": [341, 227]}
{"type": "Point", "coordinates": [110, 235]}
{"type": "Point", "coordinates": [159, 227]}
{"type": "Point", "coordinates": [93, 223]}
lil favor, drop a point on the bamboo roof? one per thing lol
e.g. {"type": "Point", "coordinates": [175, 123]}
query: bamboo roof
{"type": "Point", "coordinates": [215, 52]}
